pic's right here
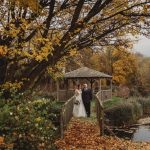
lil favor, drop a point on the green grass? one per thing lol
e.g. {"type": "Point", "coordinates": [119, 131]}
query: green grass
{"type": "Point", "coordinates": [92, 118]}
{"type": "Point", "coordinates": [107, 104]}
{"type": "Point", "coordinates": [113, 102]}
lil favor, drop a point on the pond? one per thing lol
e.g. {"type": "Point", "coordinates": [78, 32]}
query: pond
{"type": "Point", "coordinates": [138, 132]}
{"type": "Point", "coordinates": [142, 133]}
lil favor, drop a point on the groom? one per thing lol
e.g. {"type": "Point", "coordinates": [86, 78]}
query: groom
{"type": "Point", "coordinates": [87, 97]}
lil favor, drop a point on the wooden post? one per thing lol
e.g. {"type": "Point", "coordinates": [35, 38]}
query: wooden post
{"type": "Point", "coordinates": [111, 87]}
{"type": "Point", "coordinates": [100, 116]}
{"type": "Point", "coordinates": [57, 83]}
{"type": "Point", "coordinates": [66, 89]}
{"type": "Point", "coordinates": [100, 84]}
{"type": "Point", "coordinates": [101, 122]}
{"type": "Point", "coordinates": [77, 81]}
{"type": "Point", "coordinates": [100, 110]}
{"type": "Point", "coordinates": [100, 88]}
{"type": "Point", "coordinates": [91, 81]}
{"type": "Point", "coordinates": [62, 124]}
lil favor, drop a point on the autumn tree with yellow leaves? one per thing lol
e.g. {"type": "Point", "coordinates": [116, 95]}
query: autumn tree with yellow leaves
{"type": "Point", "coordinates": [119, 61]}
{"type": "Point", "coordinates": [38, 36]}
{"type": "Point", "coordinates": [124, 65]}
{"type": "Point", "coordinates": [144, 71]}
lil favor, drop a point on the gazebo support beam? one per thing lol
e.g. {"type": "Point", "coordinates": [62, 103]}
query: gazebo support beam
{"type": "Point", "coordinates": [91, 82]}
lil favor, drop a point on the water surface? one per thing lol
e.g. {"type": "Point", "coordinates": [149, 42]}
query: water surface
{"type": "Point", "coordinates": [142, 133]}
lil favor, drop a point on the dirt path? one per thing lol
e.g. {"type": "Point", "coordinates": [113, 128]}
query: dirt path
{"type": "Point", "coordinates": [84, 135]}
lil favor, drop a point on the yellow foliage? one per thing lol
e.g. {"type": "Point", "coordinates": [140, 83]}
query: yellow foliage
{"type": "Point", "coordinates": [38, 119]}
{"type": "Point", "coordinates": [32, 4]}
{"type": "Point", "coordinates": [124, 64]}
{"type": "Point", "coordinates": [12, 86]}
{"type": "Point", "coordinates": [41, 54]}
{"type": "Point", "coordinates": [73, 52]}
{"type": "Point", "coordinates": [26, 22]}
{"type": "Point", "coordinates": [3, 50]}
{"type": "Point", "coordinates": [55, 73]}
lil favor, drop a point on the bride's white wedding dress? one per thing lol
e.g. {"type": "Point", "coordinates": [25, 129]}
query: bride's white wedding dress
{"type": "Point", "coordinates": [78, 109]}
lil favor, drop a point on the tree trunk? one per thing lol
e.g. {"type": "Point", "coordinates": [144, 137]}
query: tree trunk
{"type": "Point", "coordinates": [3, 68]}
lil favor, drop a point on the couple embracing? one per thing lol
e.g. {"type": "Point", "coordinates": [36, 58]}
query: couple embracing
{"type": "Point", "coordinates": [82, 102]}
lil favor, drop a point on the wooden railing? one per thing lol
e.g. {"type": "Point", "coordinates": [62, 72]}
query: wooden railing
{"type": "Point", "coordinates": [66, 114]}
{"type": "Point", "coordinates": [67, 111]}
{"type": "Point", "coordinates": [100, 112]}
{"type": "Point", "coordinates": [65, 95]}
{"type": "Point", "coordinates": [106, 95]}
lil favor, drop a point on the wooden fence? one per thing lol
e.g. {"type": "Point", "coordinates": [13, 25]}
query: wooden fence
{"type": "Point", "coordinates": [66, 114]}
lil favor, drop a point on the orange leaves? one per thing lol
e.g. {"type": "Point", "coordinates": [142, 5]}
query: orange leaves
{"type": "Point", "coordinates": [32, 4]}
{"type": "Point", "coordinates": [3, 50]}
{"type": "Point", "coordinates": [78, 135]}
{"type": "Point", "coordinates": [3, 145]}
{"type": "Point", "coordinates": [35, 53]}
{"type": "Point", "coordinates": [84, 135]}
{"type": "Point", "coordinates": [1, 140]}
{"type": "Point", "coordinates": [124, 64]}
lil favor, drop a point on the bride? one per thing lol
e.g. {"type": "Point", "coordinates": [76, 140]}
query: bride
{"type": "Point", "coordinates": [78, 109]}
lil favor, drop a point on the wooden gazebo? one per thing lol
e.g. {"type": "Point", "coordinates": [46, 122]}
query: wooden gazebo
{"type": "Point", "coordinates": [85, 74]}
{"type": "Point", "coordinates": [79, 76]}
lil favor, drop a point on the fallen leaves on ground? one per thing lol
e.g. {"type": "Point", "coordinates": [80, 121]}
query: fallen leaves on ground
{"type": "Point", "coordinates": [3, 145]}
{"type": "Point", "coordinates": [1, 140]}
{"type": "Point", "coordinates": [84, 135]}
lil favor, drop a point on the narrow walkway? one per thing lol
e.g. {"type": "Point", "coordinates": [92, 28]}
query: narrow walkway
{"type": "Point", "coordinates": [83, 134]}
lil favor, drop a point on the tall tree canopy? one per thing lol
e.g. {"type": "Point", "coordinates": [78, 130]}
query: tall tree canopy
{"type": "Point", "coordinates": [124, 66]}
{"type": "Point", "coordinates": [37, 36]}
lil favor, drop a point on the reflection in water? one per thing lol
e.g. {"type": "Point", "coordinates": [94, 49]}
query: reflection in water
{"type": "Point", "coordinates": [142, 133]}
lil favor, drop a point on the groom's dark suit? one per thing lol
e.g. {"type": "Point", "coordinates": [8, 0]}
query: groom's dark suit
{"type": "Point", "coordinates": [87, 97]}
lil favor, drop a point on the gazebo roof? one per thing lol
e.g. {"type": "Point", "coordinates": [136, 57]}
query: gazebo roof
{"type": "Point", "coordinates": [85, 72]}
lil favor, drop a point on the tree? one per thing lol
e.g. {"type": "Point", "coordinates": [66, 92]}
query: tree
{"type": "Point", "coordinates": [144, 71]}
{"type": "Point", "coordinates": [124, 66]}
{"type": "Point", "coordinates": [40, 34]}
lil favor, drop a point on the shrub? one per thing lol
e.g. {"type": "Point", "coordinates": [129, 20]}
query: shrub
{"type": "Point", "coordinates": [145, 102]}
{"type": "Point", "coordinates": [128, 111]}
{"type": "Point", "coordinates": [30, 124]}
{"type": "Point", "coordinates": [138, 110]}
{"type": "Point", "coordinates": [113, 102]}
{"type": "Point", "coordinates": [122, 114]}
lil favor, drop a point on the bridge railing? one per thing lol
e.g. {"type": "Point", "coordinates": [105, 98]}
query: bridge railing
{"type": "Point", "coordinates": [100, 112]}
{"type": "Point", "coordinates": [64, 95]}
{"type": "Point", "coordinates": [66, 114]}
{"type": "Point", "coordinates": [105, 95]}
{"type": "Point", "coordinates": [67, 110]}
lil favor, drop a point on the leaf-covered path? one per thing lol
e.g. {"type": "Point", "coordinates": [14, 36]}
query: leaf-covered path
{"type": "Point", "coordinates": [84, 135]}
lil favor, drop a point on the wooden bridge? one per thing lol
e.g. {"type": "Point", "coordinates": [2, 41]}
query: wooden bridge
{"type": "Point", "coordinates": [67, 110]}
{"type": "Point", "coordinates": [100, 95]}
